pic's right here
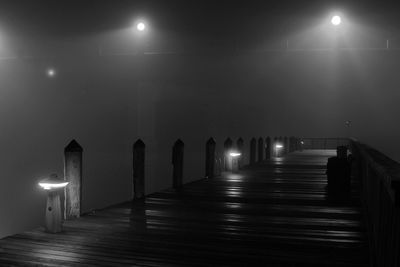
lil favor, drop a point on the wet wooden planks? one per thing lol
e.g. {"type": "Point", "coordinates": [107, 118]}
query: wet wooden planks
{"type": "Point", "coordinates": [274, 214]}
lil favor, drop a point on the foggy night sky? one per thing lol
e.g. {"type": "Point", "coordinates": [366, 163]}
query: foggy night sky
{"type": "Point", "coordinates": [209, 79]}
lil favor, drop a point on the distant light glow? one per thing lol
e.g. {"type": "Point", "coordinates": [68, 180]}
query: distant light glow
{"type": "Point", "coordinates": [278, 146]}
{"type": "Point", "coordinates": [51, 72]}
{"type": "Point", "coordinates": [336, 20]}
{"type": "Point", "coordinates": [49, 186]}
{"type": "Point", "coordinates": [141, 26]}
{"type": "Point", "coordinates": [235, 154]}
{"type": "Point", "coordinates": [302, 142]}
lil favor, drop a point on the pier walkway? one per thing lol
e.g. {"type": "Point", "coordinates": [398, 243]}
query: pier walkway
{"type": "Point", "coordinates": [276, 213]}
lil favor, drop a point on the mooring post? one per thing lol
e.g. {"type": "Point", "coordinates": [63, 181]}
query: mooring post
{"type": "Point", "coordinates": [260, 149]}
{"type": "Point", "coordinates": [275, 149]}
{"type": "Point", "coordinates": [228, 144]}
{"type": "Point", "coordinates": [73, 175]}
{"type": "Point", "coordinates": [177, 163]}
{"type": "Point", "coordinates": [253, 147]}
{"type": "Point", "coordinates": [240, 148]}
{"type": "Point", "coordinates": [139, 148]}
{"type": "Point", "coordinates": [210, 158]}
{"type": "Point", "coordinates": [286, 144]}
{"type": "Point", "coordinates": [268, 147]}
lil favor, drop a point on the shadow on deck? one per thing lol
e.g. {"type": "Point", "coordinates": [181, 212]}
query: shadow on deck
{"type": "Point", "coordinates": [274, 214]}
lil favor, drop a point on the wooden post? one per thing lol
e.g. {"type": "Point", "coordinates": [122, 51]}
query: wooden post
{"type": "Point", "coordinates": [260, 149]}
{"type": "Point", "coordinates": [53, 213]}
{"type": "Point", "coordinates": [210, 158]}
{"type": "Point", "coordinates": [286, 144]}
{"type": "Point", "coordinates": [177, 163]}
{"type": "Point", "coordinates": [274, 149]}
{"type": "Point", "coordinates": [268, 148]}
{"type": "Point", "coordinates": [138, 169]}
{"type": "Point", "coordinates": [228, 144]}
{"type": "Point", "coordinates": [253, 147]}
{"type": "Point", "coordinates": [240, 146]}
{"type": "Point", "coordinates": [73, 175]}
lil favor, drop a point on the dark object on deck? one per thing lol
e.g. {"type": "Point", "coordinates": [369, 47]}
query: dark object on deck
{"type": "Point", "coordinates": [253, 147]}
{"type": "Point", "coordinates": [338, 171]}
{"type": "Point", "coordinates": [177, 162]}
{"type": "Point", "coordinates": [73, 175]}
{"type": "Point", "coordinates": [268, 148]}
{"type": "Point", "coordinates": [240, 145]}
{"type": "Point", "coordinates": [260, 149]}
{"type": "Point", "coordinates": [138, 169]}
{"type": "Point", "coordinates": [210, 158]}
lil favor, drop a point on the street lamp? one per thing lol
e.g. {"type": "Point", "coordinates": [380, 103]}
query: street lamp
{"type": "Point", "coordinates": [51, 72]}
{"type": "Point", "coordinates": [336, 20]}
{"type": "Point", "coordinates": [140, 26]}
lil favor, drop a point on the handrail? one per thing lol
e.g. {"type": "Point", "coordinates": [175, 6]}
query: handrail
{"type": "Point", "coordinates": [380, 179]}
{"type": "Point", "coordinates": [323, 142]}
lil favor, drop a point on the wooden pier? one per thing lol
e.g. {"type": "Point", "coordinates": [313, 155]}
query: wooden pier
{"type": "Point", "coordinates": [275, 213]}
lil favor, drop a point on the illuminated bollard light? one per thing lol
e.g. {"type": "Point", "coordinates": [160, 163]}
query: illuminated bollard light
{"type": "Point", "coordinates": [278, 150]}
{"type": "Point", "coordinates": [53, 186]}
{"type": "Point", "coordinates": [234, 161]}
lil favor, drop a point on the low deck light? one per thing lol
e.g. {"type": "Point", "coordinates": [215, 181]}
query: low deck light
{"type": "Point", "coordinates": [51, 183]}
{"type": "Point", "coordinates": [235, 154]}
{"type": "Point", "coordinates": [53, 186]}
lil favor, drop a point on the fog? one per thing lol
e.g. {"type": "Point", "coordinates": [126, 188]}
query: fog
{"type": "Point", "coordinates": [106, 96]}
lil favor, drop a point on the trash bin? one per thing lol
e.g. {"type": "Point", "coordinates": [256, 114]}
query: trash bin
{"type": "Point", "coordinates": [338, 171]}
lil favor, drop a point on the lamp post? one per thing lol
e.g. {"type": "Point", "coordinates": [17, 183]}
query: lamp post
{"type": "Point", "coordinates": [53, 185]}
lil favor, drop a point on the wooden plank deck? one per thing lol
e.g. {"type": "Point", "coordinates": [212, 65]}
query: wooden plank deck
{"type": "Point", "coordinates": [273, 214]}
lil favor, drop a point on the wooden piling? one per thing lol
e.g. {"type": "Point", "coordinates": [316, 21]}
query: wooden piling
{"type": "Point", "coordinates": [177, 163]}
{"type": "Point", "coordinates": [210, 158]}
{"type": "Point", "coordinates": [139, 148]}
{"type": "Point", "coordinates": [240, 148]}
{"type": "Point", "coordinates": [286, 145]}
{"type": "Point", "coordinates": [73, 175]}
{"type": "Point", "coordinates": [260, 149]}
{"type": "Point", "coordinates": [268, 148]}
{"type": "Point", "coordinates": [253, 148]}
{"type": "Point", "coordinates": [228, 145]}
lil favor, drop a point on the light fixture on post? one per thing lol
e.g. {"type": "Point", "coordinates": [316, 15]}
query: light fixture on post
{"type": "Point", "coordinates": [278, 149]}
{"type": "Point", "coordinates": [234, 160]}
{"type": "Point", "coordinates": [53, 185]}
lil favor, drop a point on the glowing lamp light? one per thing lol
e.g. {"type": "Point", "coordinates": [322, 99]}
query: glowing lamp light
{"type": "Point", "coordinates": [302, 142]}
{"type": "Point", "coordinates": [278, 146]}
{"type": "Point", "coordinates": [336, 20]}
{"type": "Point", "coordinates": [52, 183]}
{"type": "Point", "coordinates": [140, 26]}
{"type": "Point", "coordinates": [51, 72]}
{"type": "Point", "coordinates": [235, 154]}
